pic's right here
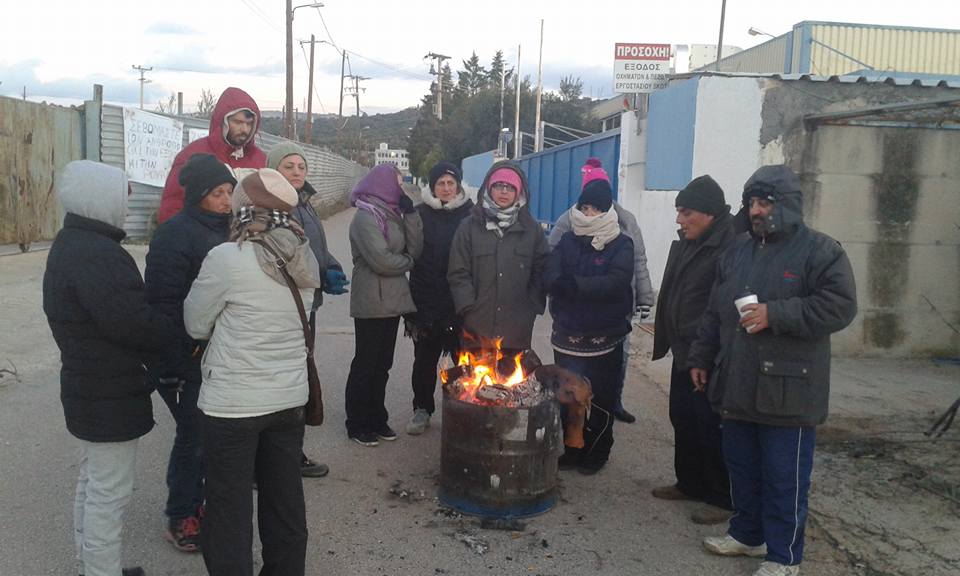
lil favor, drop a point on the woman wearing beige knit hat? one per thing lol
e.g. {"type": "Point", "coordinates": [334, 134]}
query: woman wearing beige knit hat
{"type": "Point", "coordinates": [254, 380]}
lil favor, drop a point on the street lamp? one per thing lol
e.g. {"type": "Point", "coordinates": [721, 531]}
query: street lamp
{"type": "Point", "coordinates": [755, 32]}
{"type": "Point", "coordinates": [288, 112]}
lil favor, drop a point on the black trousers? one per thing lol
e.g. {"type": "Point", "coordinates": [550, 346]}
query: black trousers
{"type": "Point", "coordinates": [366, 390]}
{"type": "Point", "coordinates": [428, 346]}
{"type": "Point", "coordinates": [267, 448]}
{"type": "Point", "coordinates": [698, 454]}
{"type": "Point", "coordinates": [603, 373]}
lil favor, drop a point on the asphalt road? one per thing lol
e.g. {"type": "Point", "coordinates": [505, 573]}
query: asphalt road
{"type": "Point", "coordinates": [604, 524]}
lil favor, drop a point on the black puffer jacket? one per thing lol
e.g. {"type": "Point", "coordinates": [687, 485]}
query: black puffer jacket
{"type": "Point", "coordinates": [687, 279]}
{"type": "Point", "coordinates": [176, 252]}
{"type": "Point", "coordinates": [779, 376]}
{"type": "Point", "coordinates": [94, 301]}
{"type": "Point", "coordinates": [428, 279]}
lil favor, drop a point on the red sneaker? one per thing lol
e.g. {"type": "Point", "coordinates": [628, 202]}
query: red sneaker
{"type": "Point", "coordinates": [184, 534]}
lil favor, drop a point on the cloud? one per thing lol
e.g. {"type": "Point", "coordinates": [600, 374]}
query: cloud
{"type": "Point", "coordinates": [20, 75]}
{"type": "Point", "coordinates": [171, 28]}
{"type": "Point", "coordinates": [193, 59]}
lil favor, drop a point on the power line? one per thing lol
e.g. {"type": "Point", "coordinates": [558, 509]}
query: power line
{"type": "Point", "coordinates": [327, 30]}
{"type": "Point", "coordinates": [392, 67]}
{"type": "Point", "coordinates": [258, 12]}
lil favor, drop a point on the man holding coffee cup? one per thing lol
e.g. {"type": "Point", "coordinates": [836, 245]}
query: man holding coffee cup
{"type": "Point", "coordinates": [706, 229]}
{"type": "Point", "coordinates": [765, 366]}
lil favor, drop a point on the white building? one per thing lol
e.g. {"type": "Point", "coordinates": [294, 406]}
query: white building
{"type": "Point", "coordinates": [384, 155]}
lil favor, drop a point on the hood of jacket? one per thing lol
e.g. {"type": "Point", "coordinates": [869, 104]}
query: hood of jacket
{"type": "Point", "coordinates": [231, 101]}
{"type": "Point", "coordinates": [779, 183]}
{"type": "Point", "coordinates": [512, 166]}
{"type": "Point", "coordinates": [381, 183]}
{"type": "Point", "coordinates": [95, 191]}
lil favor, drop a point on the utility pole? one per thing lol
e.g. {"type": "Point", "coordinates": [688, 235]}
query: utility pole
{"type": "Point", "coordinates": [723, 13]}
{"type": "Point", "coordinates": [288, 107]}
{"type": "Point", "coordinates": [439, 74]}
{"type": "Point", "coordinates": [517, 137]}
{"type": "Point", "coordinates": [309, 127]}
{"type": "Point", "coordinates": [343, 61]}
{"type": "Point", "coordinates": [503, 78]}
{"type": "Point", "coordinates": [537, 128]}
{"type": "Point", "coordinates": [143, 80]}
{"type": "Point", "coordinates": [355, 89]}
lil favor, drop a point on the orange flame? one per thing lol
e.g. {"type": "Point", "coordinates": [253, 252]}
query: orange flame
{"type": "Point", "coordinates": [481, 370]}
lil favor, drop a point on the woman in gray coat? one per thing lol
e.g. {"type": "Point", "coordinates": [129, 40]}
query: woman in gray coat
{"type": "Point", "coordinates": [386, 235]}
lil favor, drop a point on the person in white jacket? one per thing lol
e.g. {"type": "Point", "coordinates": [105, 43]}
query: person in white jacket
{"type": "Point", "coordinates": [254, 381]}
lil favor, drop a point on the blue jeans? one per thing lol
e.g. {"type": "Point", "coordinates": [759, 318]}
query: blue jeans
{"type": "Point", "coordinates": [104, 488]}
{"type": "Point", "coordinates": [769, 470]}
{"type": "Point", "coordinates": [185, 468]}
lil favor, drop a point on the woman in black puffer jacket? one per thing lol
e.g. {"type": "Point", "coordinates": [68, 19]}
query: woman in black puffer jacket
{"type": "Point", "coordinates": [434, 327]}
{"type": "Point", "coordinates": [176, 252]}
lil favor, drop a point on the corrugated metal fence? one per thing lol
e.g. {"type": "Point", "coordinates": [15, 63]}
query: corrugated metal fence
{"type": "Point", "coordinates": [333, 176]}
{"type": "Point", "coordinates": [36, 142]}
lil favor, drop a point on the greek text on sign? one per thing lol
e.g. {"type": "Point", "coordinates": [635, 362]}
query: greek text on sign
{"type": "Point", "coordinates": [150, 143]}
{"type": "Point", "coordinates": [640, 67]}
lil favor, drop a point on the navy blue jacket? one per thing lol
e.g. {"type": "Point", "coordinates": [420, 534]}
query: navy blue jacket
{"type": "Point", "coordinates": [603, 300]}
{"type": "Point", "coordinates": [176, 252]}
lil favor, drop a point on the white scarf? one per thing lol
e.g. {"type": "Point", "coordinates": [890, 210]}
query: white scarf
{"type": "Point", "coordinates": [603, 227]}
{"type": "Point", "coordinates": [432, 201]}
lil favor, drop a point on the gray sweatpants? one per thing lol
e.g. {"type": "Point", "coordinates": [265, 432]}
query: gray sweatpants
{"type": "Point", "coordinates": [104, 487]}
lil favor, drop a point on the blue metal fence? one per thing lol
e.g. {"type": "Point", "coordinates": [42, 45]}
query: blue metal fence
{"type": "Point", "coordinates": [554, 174]}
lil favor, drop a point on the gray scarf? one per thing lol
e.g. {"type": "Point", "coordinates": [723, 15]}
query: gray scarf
{"type": "Point", "coordinates": [499, 219]}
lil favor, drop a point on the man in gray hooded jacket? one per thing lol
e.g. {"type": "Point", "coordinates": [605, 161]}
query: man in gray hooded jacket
{"type": "Point", "coordinates": [766, 367]}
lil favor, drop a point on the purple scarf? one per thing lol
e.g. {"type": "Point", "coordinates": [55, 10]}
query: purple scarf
{"type": "Point", "coordinates": [379, 193]}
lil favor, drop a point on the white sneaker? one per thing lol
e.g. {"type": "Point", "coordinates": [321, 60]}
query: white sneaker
{"type": "Point", "coordinates": [774, 569]}
{"type": "Point", "coordinates": [727, 545]}
{"type": "Point", "coordinates": [419, 423]}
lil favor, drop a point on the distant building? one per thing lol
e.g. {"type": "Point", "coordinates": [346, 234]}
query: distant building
{"type": "Point", "coordinates": [703, 54]}
{"type": "Point", "coordinates": [385, 155]}
{"type": "Point", "coordinates": [843, 48]}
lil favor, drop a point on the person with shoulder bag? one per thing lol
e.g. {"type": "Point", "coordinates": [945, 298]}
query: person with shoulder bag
{"type": "Point", "coordinates": [255, 379]}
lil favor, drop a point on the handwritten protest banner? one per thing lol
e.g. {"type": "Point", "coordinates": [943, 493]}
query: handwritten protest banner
{"type": "Point", "coordinates": [150, 143]}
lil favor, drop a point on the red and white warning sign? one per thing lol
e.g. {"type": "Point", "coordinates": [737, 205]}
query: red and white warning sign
{"type": "Point", "coordinates": [640, 67]}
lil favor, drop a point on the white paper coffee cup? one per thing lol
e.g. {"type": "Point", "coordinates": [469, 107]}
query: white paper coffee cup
{"type": "Point", "coordinates": [743, 301]}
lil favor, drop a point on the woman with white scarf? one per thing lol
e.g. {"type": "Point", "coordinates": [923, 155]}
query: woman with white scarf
{"type": "Point", "coordinates": [434, 327]}
{"type": "Point", "coordinates": [588, 277]}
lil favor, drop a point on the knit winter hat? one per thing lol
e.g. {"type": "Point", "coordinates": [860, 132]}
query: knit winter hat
{"type": "Point", "coordinates": [703, 194]}
{"type": "Point", "coordinates": [442, 168]}
{"type": "Point", "coordinates": [506, 176]}
{"type": "Point", "coordinates": [265, 188]}
{"type": "Point", "coordinates": [282, 150]}
{"type": "Point", "coordinates": [592, 170]}
{"type": "Point", "coordinates": [598, 194]}
{"type": "Point", "coordinates": [201, 174]}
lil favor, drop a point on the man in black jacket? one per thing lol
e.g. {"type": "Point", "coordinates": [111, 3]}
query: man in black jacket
{"type": "Point", "coordinates": [173, 262]}
{"type": "Point", "coordinates": [706, 229]}
{"type": "Point", "coordinates": [94, 301]}
{"type": "Point", "coordinates": [766, 365]}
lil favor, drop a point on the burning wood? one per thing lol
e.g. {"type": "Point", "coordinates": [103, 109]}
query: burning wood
{"type": "Point", "coordinates": [486, 377]}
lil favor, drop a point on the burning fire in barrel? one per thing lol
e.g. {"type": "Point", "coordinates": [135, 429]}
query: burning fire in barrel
{"type": "Point", "coordinates": [501, 435]}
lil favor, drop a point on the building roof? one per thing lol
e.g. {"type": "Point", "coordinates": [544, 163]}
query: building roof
{"type": "Point", "coordinates": [865, 77]}
{"type": "Point", "coordinates": [940, 113]}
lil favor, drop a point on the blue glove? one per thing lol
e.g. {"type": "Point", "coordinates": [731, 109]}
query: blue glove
{"type": "Point", "coordinates": [335, 281]}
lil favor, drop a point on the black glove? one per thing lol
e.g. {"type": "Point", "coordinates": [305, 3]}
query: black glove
{"type": "Point", "coordinates": [564, 287]}
{"type": "Point", "coordinates": [406, 204]}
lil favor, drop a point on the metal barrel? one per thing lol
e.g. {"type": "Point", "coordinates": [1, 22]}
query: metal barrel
{"type": "Point", "coordinates": [499, 462]}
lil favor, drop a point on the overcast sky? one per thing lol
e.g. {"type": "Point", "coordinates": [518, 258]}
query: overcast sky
{"type": "Point", "coordinates": [58, 49]}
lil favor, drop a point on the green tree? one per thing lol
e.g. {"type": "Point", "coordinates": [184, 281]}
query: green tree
{"type": "Point", "coordinates": [473, 78]}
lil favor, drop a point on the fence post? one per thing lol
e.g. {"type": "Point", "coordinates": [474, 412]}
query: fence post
{"type": "Point", "coordinates": [92, 110]}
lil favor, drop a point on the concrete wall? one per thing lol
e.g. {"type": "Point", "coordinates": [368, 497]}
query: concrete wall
{"type": "Point", "coordinates": [36, 142]}
{"type": "Point", "coordinates": [891, 196]}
